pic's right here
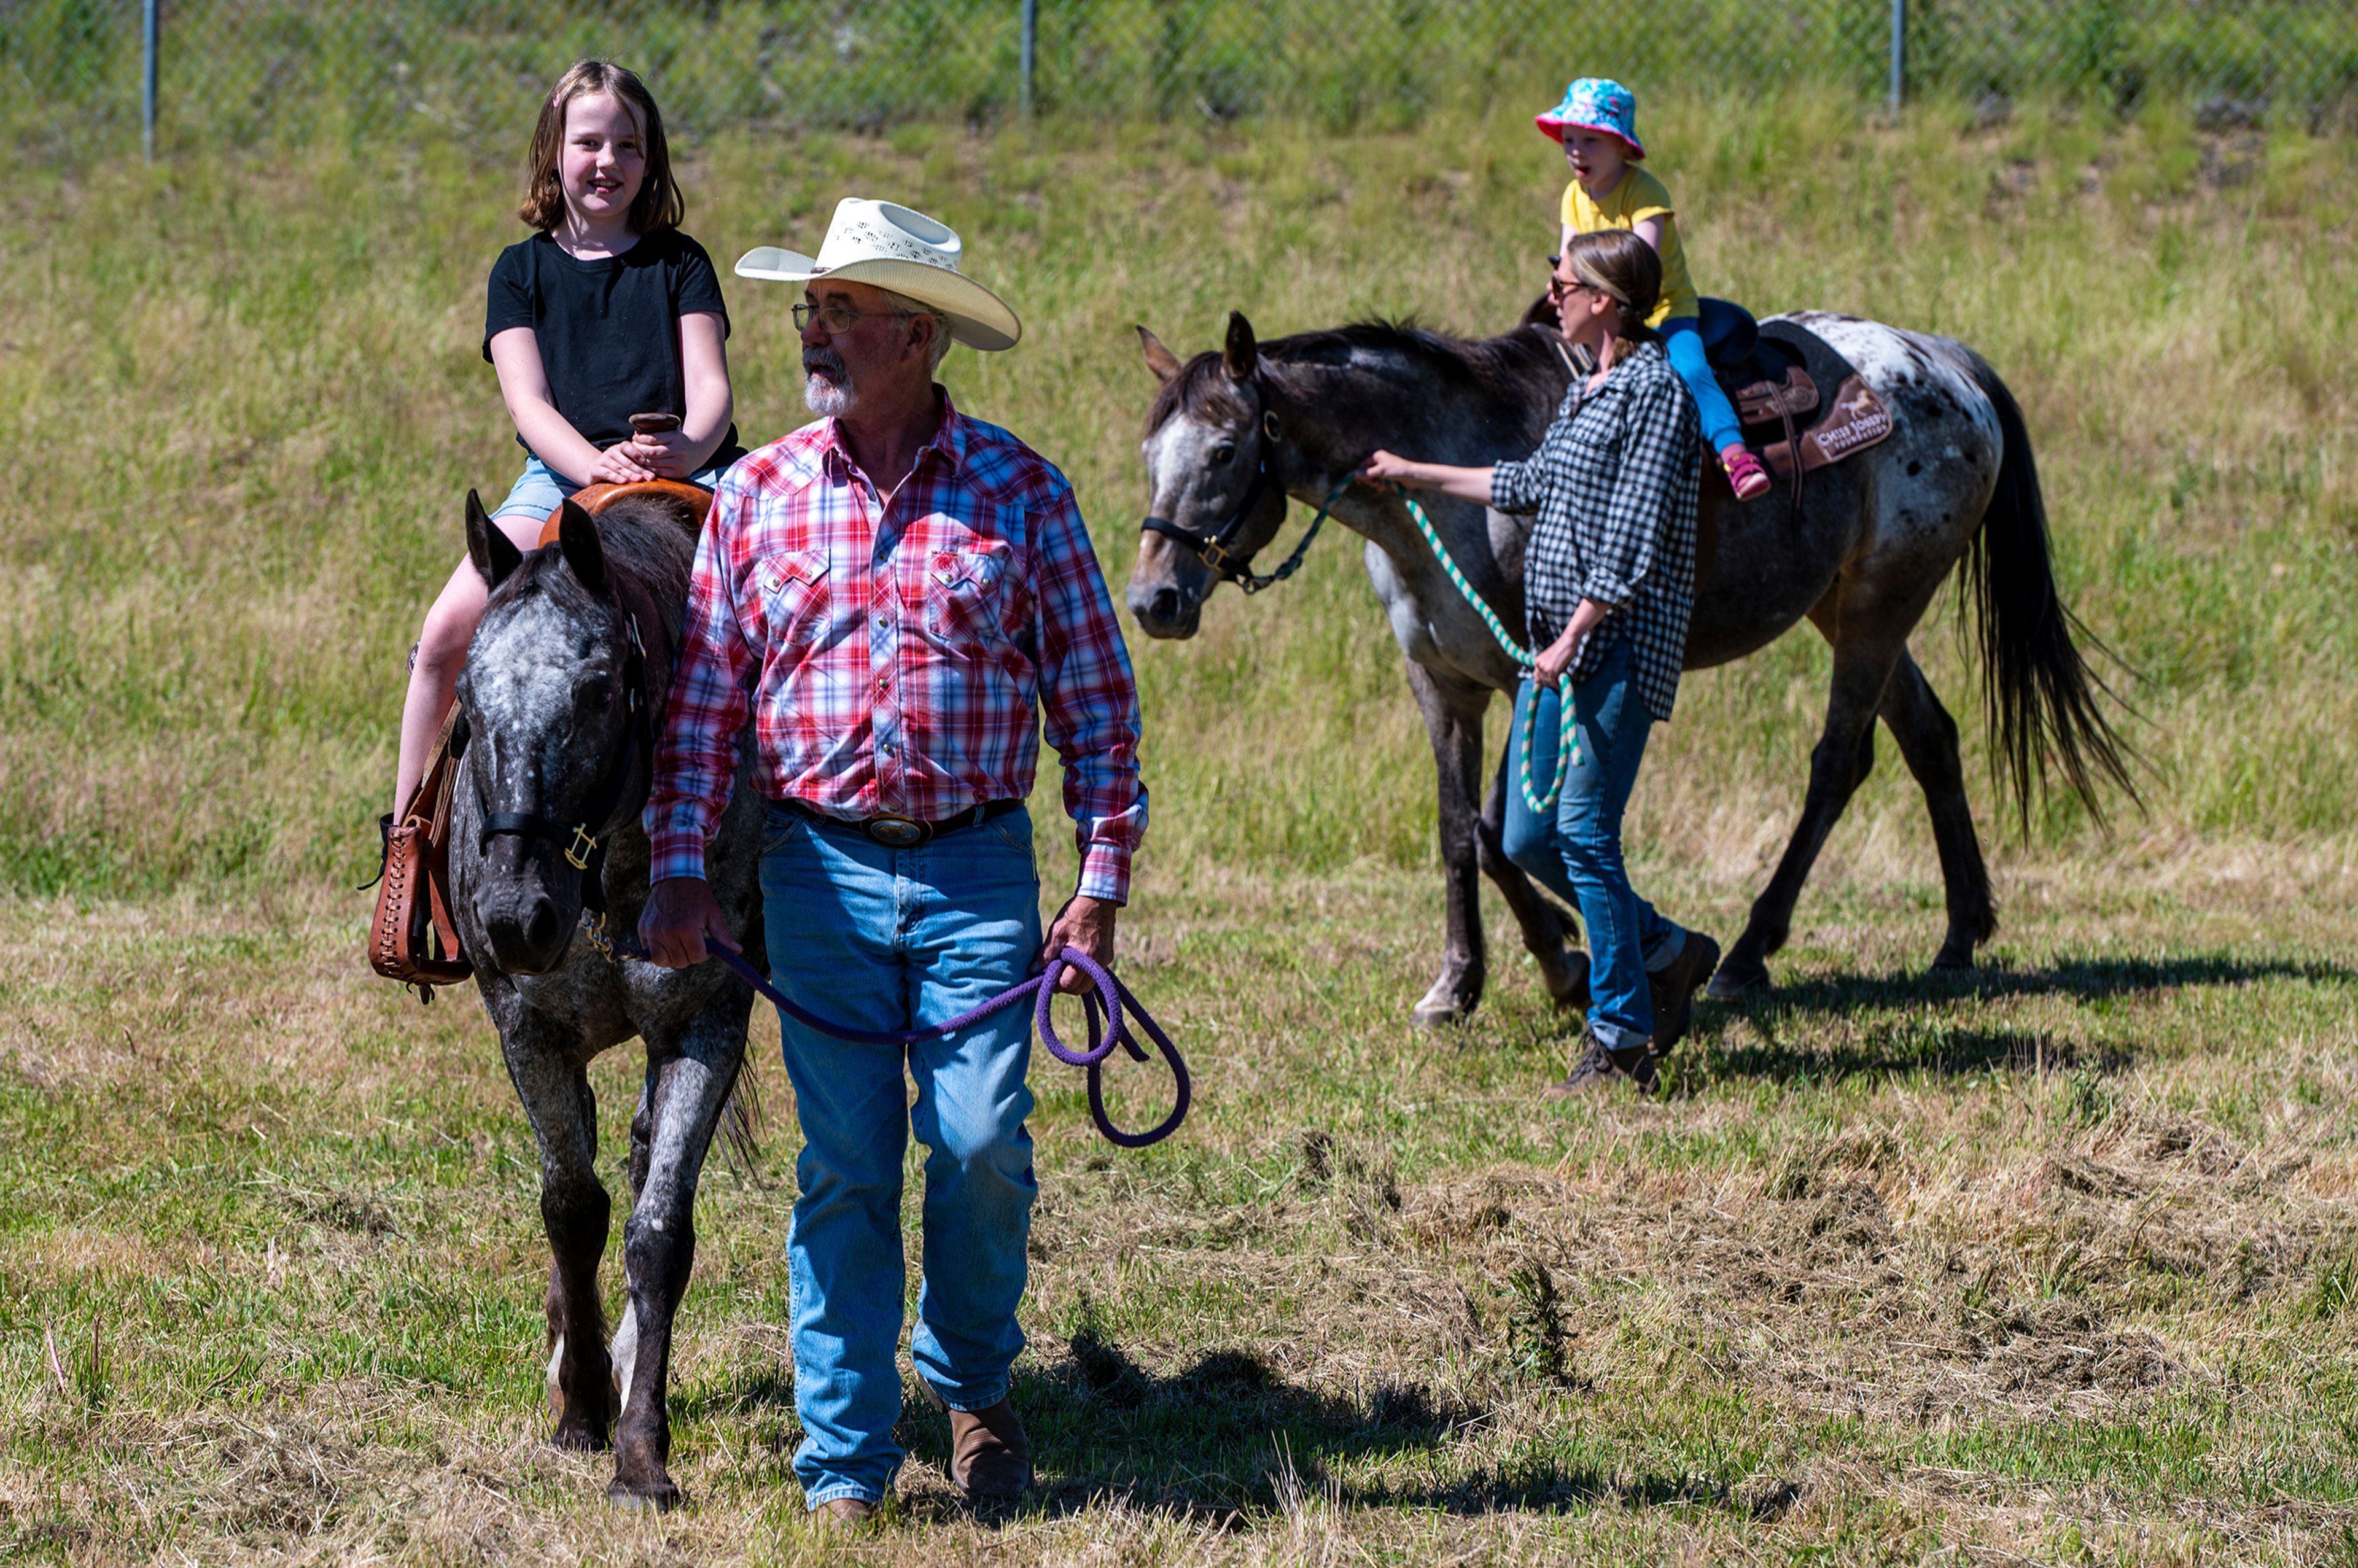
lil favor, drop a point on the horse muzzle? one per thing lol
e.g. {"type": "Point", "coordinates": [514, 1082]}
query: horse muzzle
{"type": "Point", "coordinates": [529, 926]}
{"type": "Point", "coordinates": [1165, 611]}
{"type": "Point", "coordinates": [1163, 597]}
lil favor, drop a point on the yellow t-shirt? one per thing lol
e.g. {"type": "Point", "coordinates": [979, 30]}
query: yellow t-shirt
{"type": "Point", "coordinates": [1638, 196]}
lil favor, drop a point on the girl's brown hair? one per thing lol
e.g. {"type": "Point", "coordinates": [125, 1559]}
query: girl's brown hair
{"type": "Point", "coordinates": [659, 204]}
{"type": "Point", "coordinates": [1626, 269]}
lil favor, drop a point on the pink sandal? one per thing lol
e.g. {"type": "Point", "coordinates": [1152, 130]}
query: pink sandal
{"type": "Point", "coordinates": [1744, 474]}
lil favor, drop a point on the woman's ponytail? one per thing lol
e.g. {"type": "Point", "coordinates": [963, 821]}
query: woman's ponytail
{"type": "Point", "coordinates": [1625, 270]}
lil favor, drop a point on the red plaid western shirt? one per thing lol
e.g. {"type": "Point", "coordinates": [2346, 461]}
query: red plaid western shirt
{"type": "Point", "coordinates": [894, 654]}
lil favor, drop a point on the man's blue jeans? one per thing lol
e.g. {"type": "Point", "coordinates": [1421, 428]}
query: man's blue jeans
{"type": "Point", "coordinates": [891, 939]}
{"type": "Point", "coordinates": [1577, 854]}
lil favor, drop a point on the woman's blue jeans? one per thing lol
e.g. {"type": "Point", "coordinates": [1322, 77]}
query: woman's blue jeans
{"type": "Point", "coordinates": [1576, 853]}
{"type": "Point", "coordinates": [893, 940]}
{"type": "Point", "coordinates": [1682, 342]}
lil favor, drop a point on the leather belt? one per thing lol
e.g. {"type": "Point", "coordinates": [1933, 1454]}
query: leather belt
{"type": "Point", "coordinates": [896, 832]}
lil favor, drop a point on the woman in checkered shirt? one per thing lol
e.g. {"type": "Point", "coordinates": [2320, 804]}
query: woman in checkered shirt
{"type": "Point", "coordinates": [1608, 583]}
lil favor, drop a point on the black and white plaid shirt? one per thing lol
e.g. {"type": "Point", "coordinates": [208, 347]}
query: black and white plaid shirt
{"type": "Point", "coordinates": [1614, 486]}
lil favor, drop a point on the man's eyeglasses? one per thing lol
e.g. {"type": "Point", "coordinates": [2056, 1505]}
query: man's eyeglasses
{"type": "Point", "coordinates": [835, 318]}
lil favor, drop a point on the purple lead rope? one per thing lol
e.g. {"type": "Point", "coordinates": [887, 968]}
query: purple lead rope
{"type": "Point", "coordinates": [1108, 999]}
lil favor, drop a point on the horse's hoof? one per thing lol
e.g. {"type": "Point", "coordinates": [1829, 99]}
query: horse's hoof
{"type": "Point", "coordinates": [577, 1437]}
{"type": "Point", "coordinates": [1747, 984]}
{"type": "Point", "coordinates": [1571, 994]}
{"type": "Point", "coordinates": [1951, 962]}
{"type": "Point", "coordinates": [660, 1496]}
{"type": "Point", "coordinates": [1431, 1014]}
{"type": "Point", "coordinates": [1444, 1003]}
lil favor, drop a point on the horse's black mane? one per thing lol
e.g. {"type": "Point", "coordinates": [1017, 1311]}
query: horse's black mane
{"type": "Point", "coordinates": [641, 536]}
{"type": "Point", "coordinates": [1518, 366]}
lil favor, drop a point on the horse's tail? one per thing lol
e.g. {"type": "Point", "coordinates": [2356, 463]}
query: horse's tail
{"type": "Point", "coordinates": [744, 1118]}
{"type": "Point", "coordinates": [2038, 692]}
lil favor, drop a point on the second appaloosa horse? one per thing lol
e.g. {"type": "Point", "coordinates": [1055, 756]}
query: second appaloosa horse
{"type": "Point", "coordinates": [1233, 433]}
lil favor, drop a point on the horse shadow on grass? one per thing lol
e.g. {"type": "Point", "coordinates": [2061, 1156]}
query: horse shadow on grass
{"type": "Point", "coordinates": [1228, 1437]}
{"type": "Point", "coordinates": [1922, 1040]}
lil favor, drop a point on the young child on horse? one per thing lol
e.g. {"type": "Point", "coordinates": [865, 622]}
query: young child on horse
{"type": "Point", "coordinates": [608, 312]}
{"type": "Point", "coordinates": [1597, 123]}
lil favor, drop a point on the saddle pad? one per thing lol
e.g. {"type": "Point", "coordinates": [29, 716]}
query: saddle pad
{"type": "Point", "coordinates": [1859, 420]}
{"type": "Point", "coordinates": [1850, 422]}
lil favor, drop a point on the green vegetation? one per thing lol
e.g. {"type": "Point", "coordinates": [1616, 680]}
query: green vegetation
{"type": "Point", "coordinates": [242, 70]}
{"type": "Point", "coordinates": [253, 400]}
{"type": "Point", "coordinates": [2055, 1261]}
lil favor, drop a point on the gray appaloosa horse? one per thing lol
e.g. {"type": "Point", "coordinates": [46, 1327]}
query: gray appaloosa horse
{"type": "Point", "coordinates": [1232, 434]}
{"type": "Point", "coordinates": [560, 701]}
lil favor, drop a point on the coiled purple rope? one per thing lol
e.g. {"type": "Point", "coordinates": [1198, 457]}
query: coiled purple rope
{"type": "Point", "coordinates": [1109, 997]}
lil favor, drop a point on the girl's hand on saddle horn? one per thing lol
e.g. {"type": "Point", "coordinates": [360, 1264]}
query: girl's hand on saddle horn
{"type": "Point", "coordinates": [618, 464]}
{"type": "Point", "coordinates": [665, 454]}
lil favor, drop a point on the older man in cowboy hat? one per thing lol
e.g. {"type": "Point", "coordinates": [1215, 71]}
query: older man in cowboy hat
{"type": "Point", "coordinates": [894, 598]}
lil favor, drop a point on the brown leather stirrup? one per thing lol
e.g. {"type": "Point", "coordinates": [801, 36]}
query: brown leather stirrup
{"type": "Point", "coordinates": [413, 939]}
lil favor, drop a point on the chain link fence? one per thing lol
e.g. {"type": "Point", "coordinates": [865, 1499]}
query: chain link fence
{"type": "Point", "coordinates": [240, 71]}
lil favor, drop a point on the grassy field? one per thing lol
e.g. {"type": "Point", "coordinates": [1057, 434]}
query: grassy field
{"type": "Point", "coordinates": [2051, 1262]}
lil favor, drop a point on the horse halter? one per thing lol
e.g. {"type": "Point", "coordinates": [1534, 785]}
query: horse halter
{"type": "Point", "coordinates": [630, 774]}
{"type": "Point", "coordinates": [1217, 549]}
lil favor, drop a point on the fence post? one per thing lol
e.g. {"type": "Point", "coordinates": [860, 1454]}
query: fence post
{"type": "Point", "coordinates": [1031, 55]}
{"type": "Point", "coordinates": [147, 80]}
{"type": "Point", "coordinates": [1899, 53]}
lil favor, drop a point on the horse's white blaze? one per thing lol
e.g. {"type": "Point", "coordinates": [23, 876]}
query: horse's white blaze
{"type": "Point", "coordinates": [1178, 462]}
{"type": "Point", "coordinates": [624, 1358]}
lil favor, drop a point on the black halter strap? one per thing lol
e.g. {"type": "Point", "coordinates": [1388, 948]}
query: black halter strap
{"type": "Point", "coordinates": [1217, 549]}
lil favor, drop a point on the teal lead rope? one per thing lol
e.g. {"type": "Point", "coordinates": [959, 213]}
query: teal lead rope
{"type": "Point", "coordinates": [1567, 747]}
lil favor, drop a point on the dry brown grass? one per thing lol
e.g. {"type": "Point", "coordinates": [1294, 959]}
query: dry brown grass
{"type": "Point", "coordinates": [2049, 1262]}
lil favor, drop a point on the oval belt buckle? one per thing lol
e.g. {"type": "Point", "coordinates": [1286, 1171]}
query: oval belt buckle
{"type": "Point", "coordinates": [897, 832]}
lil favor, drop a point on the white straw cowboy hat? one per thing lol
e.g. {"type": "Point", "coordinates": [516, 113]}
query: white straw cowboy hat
{"type": "Point", "coordinates": [886, 245]}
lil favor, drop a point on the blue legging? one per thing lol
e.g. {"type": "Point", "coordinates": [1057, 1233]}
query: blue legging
{"type": "Point", "coordinates": [1682, 341]}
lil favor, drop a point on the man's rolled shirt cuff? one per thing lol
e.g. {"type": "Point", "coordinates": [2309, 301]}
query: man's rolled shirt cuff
{"type": "Point", "coordinates": [1105, 874]}
{"type": "Point", "coordinates": [676, 852]}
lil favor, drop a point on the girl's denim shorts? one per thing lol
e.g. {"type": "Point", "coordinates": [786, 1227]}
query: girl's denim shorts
{"type": "Point", "coordinates": [540, 488]}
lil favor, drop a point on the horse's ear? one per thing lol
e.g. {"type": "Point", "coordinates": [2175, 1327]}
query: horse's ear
{"type": "Point", "coordinates": [577, 536]}
{"type": "Point", "coordinates": [1241, 353]}
{"type": "Point", "coordinates": [1159, 360]}
{"type": "Point", "coordinates": [494, 553]}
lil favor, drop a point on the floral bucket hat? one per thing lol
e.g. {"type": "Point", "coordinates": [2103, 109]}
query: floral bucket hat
{"type": "Point", "coordinates": [1594, 104]}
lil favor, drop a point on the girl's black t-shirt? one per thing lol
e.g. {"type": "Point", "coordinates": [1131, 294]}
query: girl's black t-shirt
{"type": "Point", "coordinates": [608, 328]}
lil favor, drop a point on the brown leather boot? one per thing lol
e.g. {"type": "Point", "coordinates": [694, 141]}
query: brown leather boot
{"type": "Point", "coordinates": [991, 1455]}
{"type": "Point", "coordinates": [1672, 990]}
{"type": "Point", "coordinates": [843, 1514]}
{"type": "Point", "coordinates": [1600, 1070]}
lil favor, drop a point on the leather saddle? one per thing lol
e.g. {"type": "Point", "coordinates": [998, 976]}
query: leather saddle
{"type": "Point", "coordinates": [413, 938]}
{"type": "Point", "coordinates": [1772, 390]}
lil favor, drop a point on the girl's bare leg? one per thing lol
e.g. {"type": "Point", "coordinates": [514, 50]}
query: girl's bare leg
{"type": "Point", "coordinates": [441, 653]}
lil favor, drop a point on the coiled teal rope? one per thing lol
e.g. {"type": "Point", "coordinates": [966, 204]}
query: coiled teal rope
{"type": "Point", "coordinates": [1567, 747]}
